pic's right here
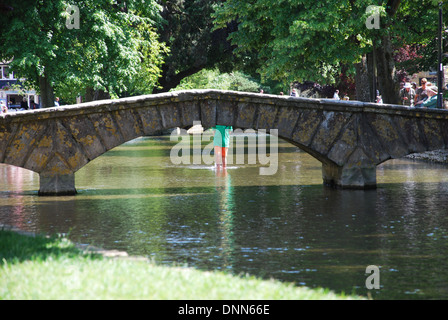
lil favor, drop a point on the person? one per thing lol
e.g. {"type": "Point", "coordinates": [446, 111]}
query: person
{"type": "Point", "coordinates": [407, 95]}
{"type": "Point", "coordinates": [24, 104]}
{"type": "Point", "coordinates": [420, 93]}
{"type": "Point", "coordinates": [336, 95]}
{"type": "Point", "coordinates": [56, 103]}
{"type": "Point", "coordinates": [431, 101]}
{"type": "Point", "coordinates": [379, 99]}
{"type": "Point", "coordinates": [4, 108]}
{"type": "Point", "coordinates": [221, 142]}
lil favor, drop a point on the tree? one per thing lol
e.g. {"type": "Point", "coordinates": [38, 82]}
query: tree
{"type": "Point", "coordinates": [105, 53]}
{"type": "Point", "coordinates": [213, 79]}
{"type": "Point", "coordinates": [313, 40]}
{"type": "Point", "coordinates": [193, 45]}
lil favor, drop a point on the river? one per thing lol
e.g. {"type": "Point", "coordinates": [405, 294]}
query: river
{"type": "Point", "coordinates": [285, 226]}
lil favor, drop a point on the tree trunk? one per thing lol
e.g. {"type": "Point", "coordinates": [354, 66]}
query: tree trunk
{"type": "Point", "coordinates": [385, 64]}
{"type": "Point", "coordinates": [363, 80]}
{"type": "Point", "coordinates": [93, 95]}
{"type": "Point", "coordinates": [386, 70]}
{"type": "Point", "coordinates": [46, 92]}
{"type": "Point", "coordinates": [377, 69]}
{"type": "Point", "coordinates": [168, 82]}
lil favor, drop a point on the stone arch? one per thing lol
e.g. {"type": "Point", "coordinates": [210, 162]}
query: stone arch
{"type": "Point", "coordinates": [349, 138]}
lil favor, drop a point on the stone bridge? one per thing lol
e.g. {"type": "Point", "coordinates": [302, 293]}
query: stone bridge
{"type": "Point", "coordinates": [349, 138]}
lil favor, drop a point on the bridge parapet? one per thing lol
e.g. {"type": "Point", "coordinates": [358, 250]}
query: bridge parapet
{"type": "Point", "coordinates": [349, 138]}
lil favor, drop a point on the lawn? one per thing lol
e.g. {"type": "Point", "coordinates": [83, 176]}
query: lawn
{"type": "Point", "coordinates": [53, 268]}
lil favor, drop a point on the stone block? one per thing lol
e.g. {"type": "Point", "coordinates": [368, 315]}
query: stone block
{"type": "Point", "coordinates": [43, 151]}
{"type": "Point", "coordinates": [70, 151]}
{"type": "Point", "coordinates": [107, 130]}
{"type": "Point", "coordinates": [208, 113]}
{"type": "Point", "coordinates": [129, 124]}
{"type": "Point", "coordinates": [190, 113]}
{"type": "Point", "coordinates": [171, 117]}
{"type": "Point", "coordinates": [225, 113]}
{"type": "Point", "coordinates": [85, 134]}
{"type": "Point", "coordinates": [23, 142]}
{"type": "Point", "coordinates": [347, 142]}
{"type": "Point", "coordinates": [410, 130]}
{"type": "Point", "coordinates": [246, 115]}
{"type": "Point", "coordinates": [307, 126]}
{"type": "Point", "coordinates": [329, 129]}
{"type": "Point", "coordinates": [7, 131]}
{"type": "Point", "coordinates": [57, 185]}
{"type": "Point", "coordinates": [388, 134]}
{"type": "Point", "coordinates": [266, 117]}
{"type": "Point", "coordinates": [151, 120]}
{"type": "Point", "coordinates": [349, 177]}
{"type": "Point", "coordinates": [287, 119]}
{"type": "Point", "coordinates": [369, 141]}
{"type": "Point", "coordinates": [432, 131]}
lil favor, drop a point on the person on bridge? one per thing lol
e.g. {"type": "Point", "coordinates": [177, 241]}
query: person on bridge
{"type": "Point", "coordinates": [221, 142]}
{"type": "Point", "coordinates": [3, 107]}
{"type": "Point", "coordinates": [431, 101]}
{"type": "Point", "coordinates": [336, 95]}
{"type": "Point", "coordinates": [407, 95]}
{"type": "Point", "coordinates": [24, 104]}
{"type": "Point", "coordinates": [420, 93]}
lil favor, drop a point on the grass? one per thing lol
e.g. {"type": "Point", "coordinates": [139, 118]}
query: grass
{"type": "Point", "coordinates": [53, 268]}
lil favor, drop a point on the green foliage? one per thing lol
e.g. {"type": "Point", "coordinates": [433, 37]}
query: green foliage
{"type": "Point", "coordinates": [213, 79]}
{"type": "Point", "coordinates": [295, 40]}
{"type": "Point", "coordinates": [116, 48]}
{"type": "Point", "coordinates": [312, 40]}
{"type": "Point", "coordinates": [149, 68]}
{"type": "Point", "coordinates": [187, 31]}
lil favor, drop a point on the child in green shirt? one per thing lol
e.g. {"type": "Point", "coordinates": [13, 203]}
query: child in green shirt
{"type": "Point", "coordinates": [221, 142]}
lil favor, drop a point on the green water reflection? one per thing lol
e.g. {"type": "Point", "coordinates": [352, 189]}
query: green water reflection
{"type": "Point", "coordinates": [286, 226]}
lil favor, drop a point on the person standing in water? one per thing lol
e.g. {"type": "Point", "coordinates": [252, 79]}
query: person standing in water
{"type": "Point", "coordinates": [221, 142]}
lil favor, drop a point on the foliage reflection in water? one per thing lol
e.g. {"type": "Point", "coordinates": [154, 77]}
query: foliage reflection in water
{"type": "Point", "coordinates": [285, 226]}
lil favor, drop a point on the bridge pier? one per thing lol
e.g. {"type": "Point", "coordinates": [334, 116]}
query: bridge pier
{"type": "Point", "coordinates": [57, 185]}
{"type": "Point", "coordinates": [349, 176]}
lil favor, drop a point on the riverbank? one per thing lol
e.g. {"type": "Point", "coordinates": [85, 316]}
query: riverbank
{"type": "Point", "coordinates": [34, 267]}
{"type": "Point", "coordinates": [436, 156]}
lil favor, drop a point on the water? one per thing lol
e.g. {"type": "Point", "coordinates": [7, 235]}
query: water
{"type": "Point", "coordinates": [286, 226]}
